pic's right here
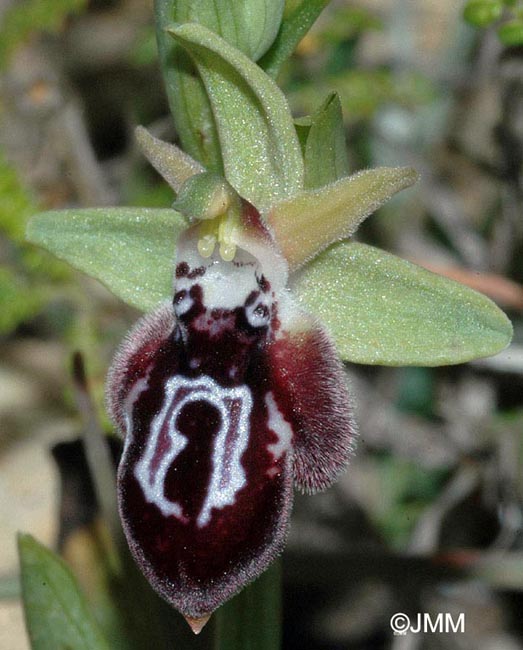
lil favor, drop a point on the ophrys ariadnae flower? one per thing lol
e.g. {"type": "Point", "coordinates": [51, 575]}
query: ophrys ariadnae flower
{"type": "Point", "coordinates": [230, 392]}
{"type": "Point", "coordinates": [227, 395]}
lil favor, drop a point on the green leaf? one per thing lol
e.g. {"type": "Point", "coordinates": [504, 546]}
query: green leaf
{"type": "Point", "coordinates": [293, 28]}
{"type": "Point", "coordinates": [188, 100]}
{"type": "Point", "coordinates": [261, 153]}
{"type": "Point", "coordinates": [383, 310]}
{"type": "Point", "coordinates": [325, 150]}
{"type": "Point", "coordinates": [306, 224]}
{"type": "Point", "coordinates": [252, 619]}
{"type": "Point", "coordinates": [130, 250]}
{"type": "Point", "coordinates": [57, 615]}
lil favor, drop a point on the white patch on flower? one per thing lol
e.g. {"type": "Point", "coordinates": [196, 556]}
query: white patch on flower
{"type": "Point", "coordinates": [128, 405]}
{"type": "Point", "coordinates": [278, 425]}
{"type": "Point", "coordinates": [151, 475]}
{"type": "Point", "coordinates": [258, 314]}
{"type": "Point", "coordinates": [228, 476]}
{"type": "Point", "coordinates": [225, 285]}
{"type": "Point", "coordinates": [182, 306]}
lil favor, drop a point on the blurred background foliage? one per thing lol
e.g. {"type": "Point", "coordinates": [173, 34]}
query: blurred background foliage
{"type": "Point", "coordinates": [428, 518]}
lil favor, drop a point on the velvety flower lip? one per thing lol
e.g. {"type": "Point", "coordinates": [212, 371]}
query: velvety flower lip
{"type": "Point", "coordinates": [226, 396]}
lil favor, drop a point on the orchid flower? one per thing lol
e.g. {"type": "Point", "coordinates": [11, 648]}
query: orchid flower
{"type": "Point", "coordinates": [231, 391]}
{"type": "Point", "coordinates": [228, 395]}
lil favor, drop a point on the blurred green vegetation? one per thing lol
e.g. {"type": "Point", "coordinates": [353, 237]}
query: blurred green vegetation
{"type": "Point", "coordinates": [27, 17]}
{"type": "Point", "coordinates": [30, 276]}
{"type": "Point", "coordinates": [506, 15]}
{"type": "Point", "coordinates": [407, 490]}
{"type": "Point", "coordinates": [362, 90]}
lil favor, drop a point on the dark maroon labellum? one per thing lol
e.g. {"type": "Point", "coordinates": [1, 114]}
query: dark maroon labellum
{"type": "Point", "coordinates": [225, 396]}
{"type": "Point", "coordinates": [204, 486]}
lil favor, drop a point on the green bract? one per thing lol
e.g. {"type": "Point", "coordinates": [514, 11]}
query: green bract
{"type": "Point", "coordinates": [189, 104]}
{"type": "Point", "coordinates": [260, 148]}
{"type": "Point", "coordinates": [323, 144]}
{"type": "Point", "coordinates": [251, 27]}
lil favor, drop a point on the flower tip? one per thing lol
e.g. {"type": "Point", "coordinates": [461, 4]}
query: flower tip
{"type": "Point", "coordinates": [411, 176]}
{"type": "Point", "coordinates": [197, 624]}
{"type": "Point", "coordinates": [172, 27]}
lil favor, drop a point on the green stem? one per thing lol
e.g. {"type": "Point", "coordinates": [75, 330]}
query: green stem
{"type": "Point", "coordinates": [252, 619]}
